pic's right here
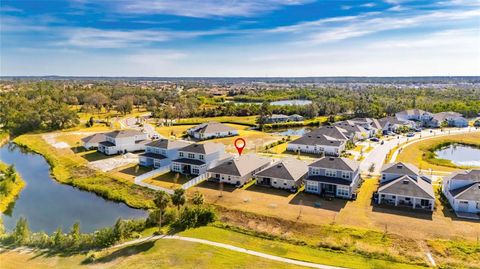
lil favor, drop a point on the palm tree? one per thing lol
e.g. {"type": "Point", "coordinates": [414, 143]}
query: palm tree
{"type": "Point", "coordinates": [178, 197]}
{"type": "Point", "coordinates": [162, 200]}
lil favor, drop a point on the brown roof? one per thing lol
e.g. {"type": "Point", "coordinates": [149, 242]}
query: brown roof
{"type": "Point", "coordinates": [212, 127]}
{"type": "Point", "coordinates": [204, 148]}
{"type": "Point", "coordinates": [95, 138]}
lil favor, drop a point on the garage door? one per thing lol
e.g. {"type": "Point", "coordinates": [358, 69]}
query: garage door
{"type": "Point", "coordinates": [463, 206]}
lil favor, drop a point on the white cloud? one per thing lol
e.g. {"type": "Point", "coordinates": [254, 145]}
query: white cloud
{"type": "Point", "coordinates": [203, 8]}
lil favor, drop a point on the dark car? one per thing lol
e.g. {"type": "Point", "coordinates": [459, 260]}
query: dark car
{"type": "Point", "coordinates": [410, 135]}
{"type": "Point", "coordinates": [374, 139]}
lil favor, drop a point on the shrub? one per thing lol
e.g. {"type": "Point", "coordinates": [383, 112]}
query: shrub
{"type": "Point", "coordinates": [196, 216]}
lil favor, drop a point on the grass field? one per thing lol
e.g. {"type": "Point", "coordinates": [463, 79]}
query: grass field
{"type": "Point", "coordinates": [246, 120]}
{"type": "Point", "coordinates": [292, 251]}
{"type": "Point", "coordinates": [158, 254]}
{"type": "Point", "coordinates": [70, 168]}
{"type": "Point", "coordinates": [414, 153]}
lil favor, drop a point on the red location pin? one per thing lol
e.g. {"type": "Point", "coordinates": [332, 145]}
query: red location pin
{"type": "Point", "coordinates": [240, 145]}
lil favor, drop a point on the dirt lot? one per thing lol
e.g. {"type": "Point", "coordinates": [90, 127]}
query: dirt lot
{"type": "Point", "coordinates": [311, 209]}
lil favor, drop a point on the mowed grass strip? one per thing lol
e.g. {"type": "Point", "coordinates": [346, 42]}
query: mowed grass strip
{"type": "Point", "coordinates": [297, 252]}
{"type": "Point", "coordinates": [72, 169]}
{"type": "Point", "coordinates": [414, 153]}
{"type": "Point", "coordinates": [152, 254]}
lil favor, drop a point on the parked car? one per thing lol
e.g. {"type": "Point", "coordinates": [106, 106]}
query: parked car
{"type": "Point", "coordinates": [374, 139]}
{"type": "Point", "coordinates": [418, 130]}
{"type": "Point", "coordinates": [410, 134]}
{"type": "Point", "coordinates": [382, 142]}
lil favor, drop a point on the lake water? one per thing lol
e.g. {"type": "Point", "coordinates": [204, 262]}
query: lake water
{"type": "Point", "coordinates": [48, 204]}
{"type": "Point", "coordinates": [460, 155]}
{"type": "Point", "coordinates": [282, 103]}
{"type": "Point", "coordinates": [290, 131]}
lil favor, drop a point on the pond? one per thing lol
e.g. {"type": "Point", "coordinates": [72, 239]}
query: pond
{"type": "Point", "coordinates": [280, 103]}
{"type": "Point", "coordinates": [460, 155]}
{"type": "Point", "coordinates": [290, 131]}
{"type": "Point", "coordinates": [48, 204]}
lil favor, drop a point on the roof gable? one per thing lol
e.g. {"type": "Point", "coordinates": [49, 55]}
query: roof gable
{"type": "Point", "coordinates": [408, 186]}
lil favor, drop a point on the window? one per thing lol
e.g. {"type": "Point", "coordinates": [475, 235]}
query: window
{"type": "Point", "coordinates": [201, 156]}
{"type": "Point", "coordinates": [330, 173]}
{"type": "Point", "coordinates": [164, 152]}
{"type": "Point", "coordinates": [312, 186]}
{"type": "Point", "coordinates": [345, 175]}
{"type": "Point", "coordinates": [343, 191]}
{"type": "Point", "coordinates": [191, 155]}
{"type": "Point", "coordinates": [383, 176]}
{"type": "Point", "coordinates": [314, 171]}
{"type": "Point", "coordinates": [180, 154]}
{"type": "Point", "coordinates": [195, 171]}
{"type": "Point", "coordinates": [177, 167]}
{"type": "Point", "coordinates": [424, 202]}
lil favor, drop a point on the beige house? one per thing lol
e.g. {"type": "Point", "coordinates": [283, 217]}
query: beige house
{"type": "Point", "coordinates": [238, 171]}
{"type": "Point", "coordinates": [286, 174]}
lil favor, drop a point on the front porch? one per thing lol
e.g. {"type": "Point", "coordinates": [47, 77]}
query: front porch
{"type": "Point", "coordinates": [406, 201]}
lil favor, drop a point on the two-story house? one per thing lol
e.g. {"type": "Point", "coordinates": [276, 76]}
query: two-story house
{"type": "Point", "coordinates": [333, 177]}
{"type": "Point", "coordinates": [195, 159]}
{"type": "Point", "coordinates": [211, 130]}
{"type": "Point", "coordinates": [462, 190]}
{"type": "Point", "coordinates": [239, 170]}
{"type": "Point", "coordinates": [122, 141]}
{"type": "Point", "coordinates": [160, 153]}
{"type": "Point", "coordinates": [403, 185]}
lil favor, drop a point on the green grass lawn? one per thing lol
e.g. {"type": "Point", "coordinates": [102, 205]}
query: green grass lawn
{"type": "Point", "coordinates": [298, 252]}
{"type": "Point", "coordinates": [10, 191]}
{"type": "Point", "coordinates": [158, 254]}
{"type": "Point", "coordinates": [72, 169]}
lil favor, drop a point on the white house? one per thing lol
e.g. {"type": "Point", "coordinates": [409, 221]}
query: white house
{"type": "Point", "coordinates": [287, 174]}
{"type": "Point", "coordinates": [91, 141]}
{"type": "Point", "coordinates": [462, 190]}
{"type": "Point", "coordinates": [239, 170]}
{"type": "Point", "coordinates": [328, 140]}
{"type": "Point", "coordinates": [333, 177]}
{"type": "Point", "coordinates": [122, 141]}
{"type": "Point", "coordinates": [211, 130]}
{"type": "Point", "coordinates": [402, 185]}
{"type": "Point", "coordinates": [452, 119]}
{"type": "Point", "coordinates": [195, 159]}
{"type": "Point", "coordinates": [161, 152]}
{"type": "Point", "coordinates": [414, 115]}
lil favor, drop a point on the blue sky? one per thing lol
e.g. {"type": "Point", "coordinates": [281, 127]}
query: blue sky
{"type": "Point", "coordinates": [240, 38]}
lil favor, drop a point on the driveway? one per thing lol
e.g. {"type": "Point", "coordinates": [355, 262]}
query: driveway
{"type": "Point", "coordinates": [379, 153]}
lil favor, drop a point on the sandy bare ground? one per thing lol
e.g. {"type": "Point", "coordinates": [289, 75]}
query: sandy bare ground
{"type": "Point", "coordinates": [114, 162]}
{"type": "Point", "coordinates": [50, 139]}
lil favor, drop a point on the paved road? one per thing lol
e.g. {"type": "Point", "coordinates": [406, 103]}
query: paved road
{"type": "Point", "coordinates": [378, 154]}
{"type": "Point", "coordinates": [230, 247]}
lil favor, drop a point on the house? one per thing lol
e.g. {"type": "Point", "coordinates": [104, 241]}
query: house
{"type": "Point", "coordinates": [295, 117]}
{"type": "Point", "coordinates": [414, 115]}
{"type": "Point", "coordinates": [452, 119]}
{"type": "Point", "coordinates": [403, 185]}
{"type": "Point", "coordinates": [328, 140]}
{"type": "Point", "coordinates": [122, 141]}
{"type": "Point", "coordinates": [333, 177]}
{"type": "Point", "coordinates": [211, 130]}
{"type": "Point", "coordinates": [286, 174]}
{"type": "Point", "coordinates": [462, 190]}
{"type": "Point", "coordinates": [159, 153]}
{"type": "Point", "coordinates": [239, 170]}
{"type": "Point", "coordinates": [354, 131]}
{"type": "Point", "coordinates": [91, 141]}
{"type": "Point", "coordinates": [392, 124]}
{"type": "Point", "coordinates": [195, 159]}
{"type": "Point", "coordinates": [277, 118]}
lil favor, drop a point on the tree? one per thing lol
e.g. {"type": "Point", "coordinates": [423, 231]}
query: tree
{"type": "Point", "coordinates": [21, 233]}
{"type": "Point", "coordinates": [124, 105]}
{"type": "Point", "coordinates": [75, 233]}
{"type": "Point", "coordinates": [264, 113]}
{"type": "Point", "coordinates": [371, 168]}
{"type": "Point", "coordinates": [197, 198]}
{"type": "Point", "coordinates": [178, 197]}
{"type": "Point", "coordinates": [162, 200]}
{"type": "Point", "coordinates": [119, 230]}
{"type": "Point", "coordinates": [58, 238]}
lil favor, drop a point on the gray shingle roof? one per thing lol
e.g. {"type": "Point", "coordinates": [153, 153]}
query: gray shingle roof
{"type": "Point", "coordinates": [336, 163]}
{"type": "Point", "coordinates": [153, 155]}
{"type": "Point", "coordinates": [331, 180]}
{"type": "Point", "coordinates": [289, 169]}
{"type": "Point", "coordinates": [400, 168]}
{"type": "Point", "coordinates": [240, 166]}
{"type": "Point", "coordinates": [95, 138]}
{"type": "Point", "coordinates": [408, 186]}
{"type": "Point", "coordinates": [212, 127]}
{"type": "Point", "coordinates": [123, 133]}
{"type": "Point", "coordinates": [167, 144]}
{"type": "Point", "coordinates": [204, 148]}
{"type": "Point", "coordinates": [465, 175]}
{"type": "Point", "coordinates": [469, 192]}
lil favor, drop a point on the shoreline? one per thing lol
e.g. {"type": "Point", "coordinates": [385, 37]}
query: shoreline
{"type": "Point", "coordinates": [12, 195]}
